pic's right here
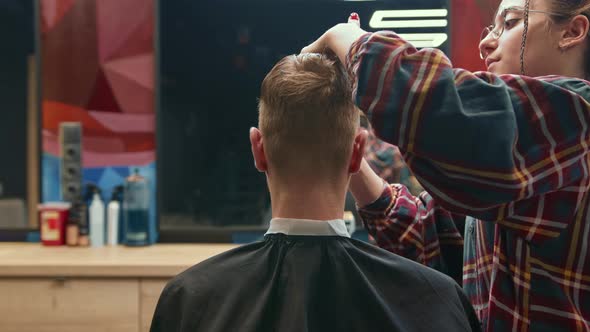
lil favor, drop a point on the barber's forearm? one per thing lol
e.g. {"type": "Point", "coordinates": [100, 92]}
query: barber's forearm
{"type": "Point", "coordinates": [366, 186]}
{"type": "Point", "coordinates": [340, 40]}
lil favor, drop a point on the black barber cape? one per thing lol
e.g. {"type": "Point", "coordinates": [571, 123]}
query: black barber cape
{"type": "Point", "coordinates": [311, 276]}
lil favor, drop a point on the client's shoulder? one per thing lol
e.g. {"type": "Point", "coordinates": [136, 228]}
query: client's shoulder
{"type": "Point", "coordinates": [390, 264]}
{"type": "Point", "coordinates": [217, 270]}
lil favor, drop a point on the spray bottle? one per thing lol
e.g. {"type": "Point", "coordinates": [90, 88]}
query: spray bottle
{"type": "Point", "coordinates": [113, 220]}
{"type": "Point", "coordinates": [97, 220]}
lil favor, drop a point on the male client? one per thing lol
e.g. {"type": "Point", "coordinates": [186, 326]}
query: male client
{"type": "Point", "coordinates": [308, 274]}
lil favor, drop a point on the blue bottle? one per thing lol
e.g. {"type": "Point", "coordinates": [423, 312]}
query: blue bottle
{"type": "Point", "coordinates": [136, 198]}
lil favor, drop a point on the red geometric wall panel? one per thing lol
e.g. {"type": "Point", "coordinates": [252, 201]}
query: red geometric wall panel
{"type": "Point", "coordinates": [467, 20]}
{"type": "Point", "coordinates": [98, 69]}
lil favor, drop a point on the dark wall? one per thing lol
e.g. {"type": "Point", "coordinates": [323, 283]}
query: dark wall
{"type": "Point", "coordinates": [17, 38]}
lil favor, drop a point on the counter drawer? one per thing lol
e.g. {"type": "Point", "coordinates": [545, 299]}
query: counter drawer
{"type": "Point", "coordinates": [69, 304]}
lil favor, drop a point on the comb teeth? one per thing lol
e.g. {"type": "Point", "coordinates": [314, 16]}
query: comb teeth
{"type": "Point", "coordinates": [70, 132]}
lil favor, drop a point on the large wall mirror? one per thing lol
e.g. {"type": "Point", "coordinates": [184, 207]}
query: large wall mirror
{"type": "Point", "coordinates": [19, 116]}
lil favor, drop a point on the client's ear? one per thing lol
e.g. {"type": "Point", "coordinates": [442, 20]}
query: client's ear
{"type": "Point", "coordinates": [358, 150]}
{"type": "Point", "coordinates": [258, 150]}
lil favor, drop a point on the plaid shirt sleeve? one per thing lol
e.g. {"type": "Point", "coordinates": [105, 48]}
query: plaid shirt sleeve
{"type": "Point", "coordinates": [385, 159]}
{"type": "Point", "coordinates": [494, 147]}
{"type": "Point", "coordinates": [416, 228]}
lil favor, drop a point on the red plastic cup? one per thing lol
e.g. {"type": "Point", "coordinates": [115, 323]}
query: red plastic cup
{"type": "Point", "coordinates": [52, 222]}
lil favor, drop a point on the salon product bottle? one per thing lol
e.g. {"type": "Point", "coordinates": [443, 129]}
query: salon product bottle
{"type": "Point", "coordinates": [84, 230]}
{"type": "Point", "coordinates": [135, 210]}
{"type": "Point", "coordinates": [84, 234]}
{"type": "Point", "coordinates": [96, 218]}
{"type": "Point", "coordinates": [113, 221]}
{"type": "Point", "coordinates": [73, 225]}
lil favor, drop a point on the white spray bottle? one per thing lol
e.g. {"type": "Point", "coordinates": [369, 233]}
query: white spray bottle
{"type": "Point", "coordinates": [113, 210]}
{"type": "Point", "coordinates": [96, 220]}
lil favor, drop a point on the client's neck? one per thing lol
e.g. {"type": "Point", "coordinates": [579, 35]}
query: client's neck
{"type": "Point", "coordinates": [313, 202]}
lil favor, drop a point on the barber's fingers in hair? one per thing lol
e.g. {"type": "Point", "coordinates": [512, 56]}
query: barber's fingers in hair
{"type": "Point", "coordinates": [354, 18]}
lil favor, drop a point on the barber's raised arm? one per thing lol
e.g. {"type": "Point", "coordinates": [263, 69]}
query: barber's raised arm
{"type": "Point", "coordinates": [338, 39]}
{"type": "Point", "coordinates": [413, 227]}
{"type": "Point", "coordinates": [494, 147]}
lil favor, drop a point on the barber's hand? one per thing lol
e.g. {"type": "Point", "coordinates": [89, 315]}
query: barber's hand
{"type": "Point", "coordinates": [338, 39]}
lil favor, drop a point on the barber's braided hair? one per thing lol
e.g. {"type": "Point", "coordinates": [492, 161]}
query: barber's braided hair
{"type": "Point", "coordinates": [524, 34]}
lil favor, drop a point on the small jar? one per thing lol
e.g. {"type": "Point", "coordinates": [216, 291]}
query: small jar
{"type": "Point", "coordinates": [52, 223]}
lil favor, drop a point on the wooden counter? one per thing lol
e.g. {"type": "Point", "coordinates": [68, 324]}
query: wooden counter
{"type": "Point", "coordinates": [160, 260]}
{"type": "Point", "coordinates": [66, 289]}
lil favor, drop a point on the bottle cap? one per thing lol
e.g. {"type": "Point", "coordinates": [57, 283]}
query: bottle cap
{"type": "Point", "coordinates": [135, 177]}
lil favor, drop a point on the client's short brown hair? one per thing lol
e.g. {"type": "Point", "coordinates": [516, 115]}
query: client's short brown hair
{"type": "Point", "coordinates": [307, 116]}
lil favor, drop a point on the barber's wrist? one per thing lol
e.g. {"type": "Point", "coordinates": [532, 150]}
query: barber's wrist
{"type": "Point", "coordinates": [366, 186]}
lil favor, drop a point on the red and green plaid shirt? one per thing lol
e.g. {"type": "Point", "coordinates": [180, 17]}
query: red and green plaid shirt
{"type": "Point", "coordinates": [509, 149]}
